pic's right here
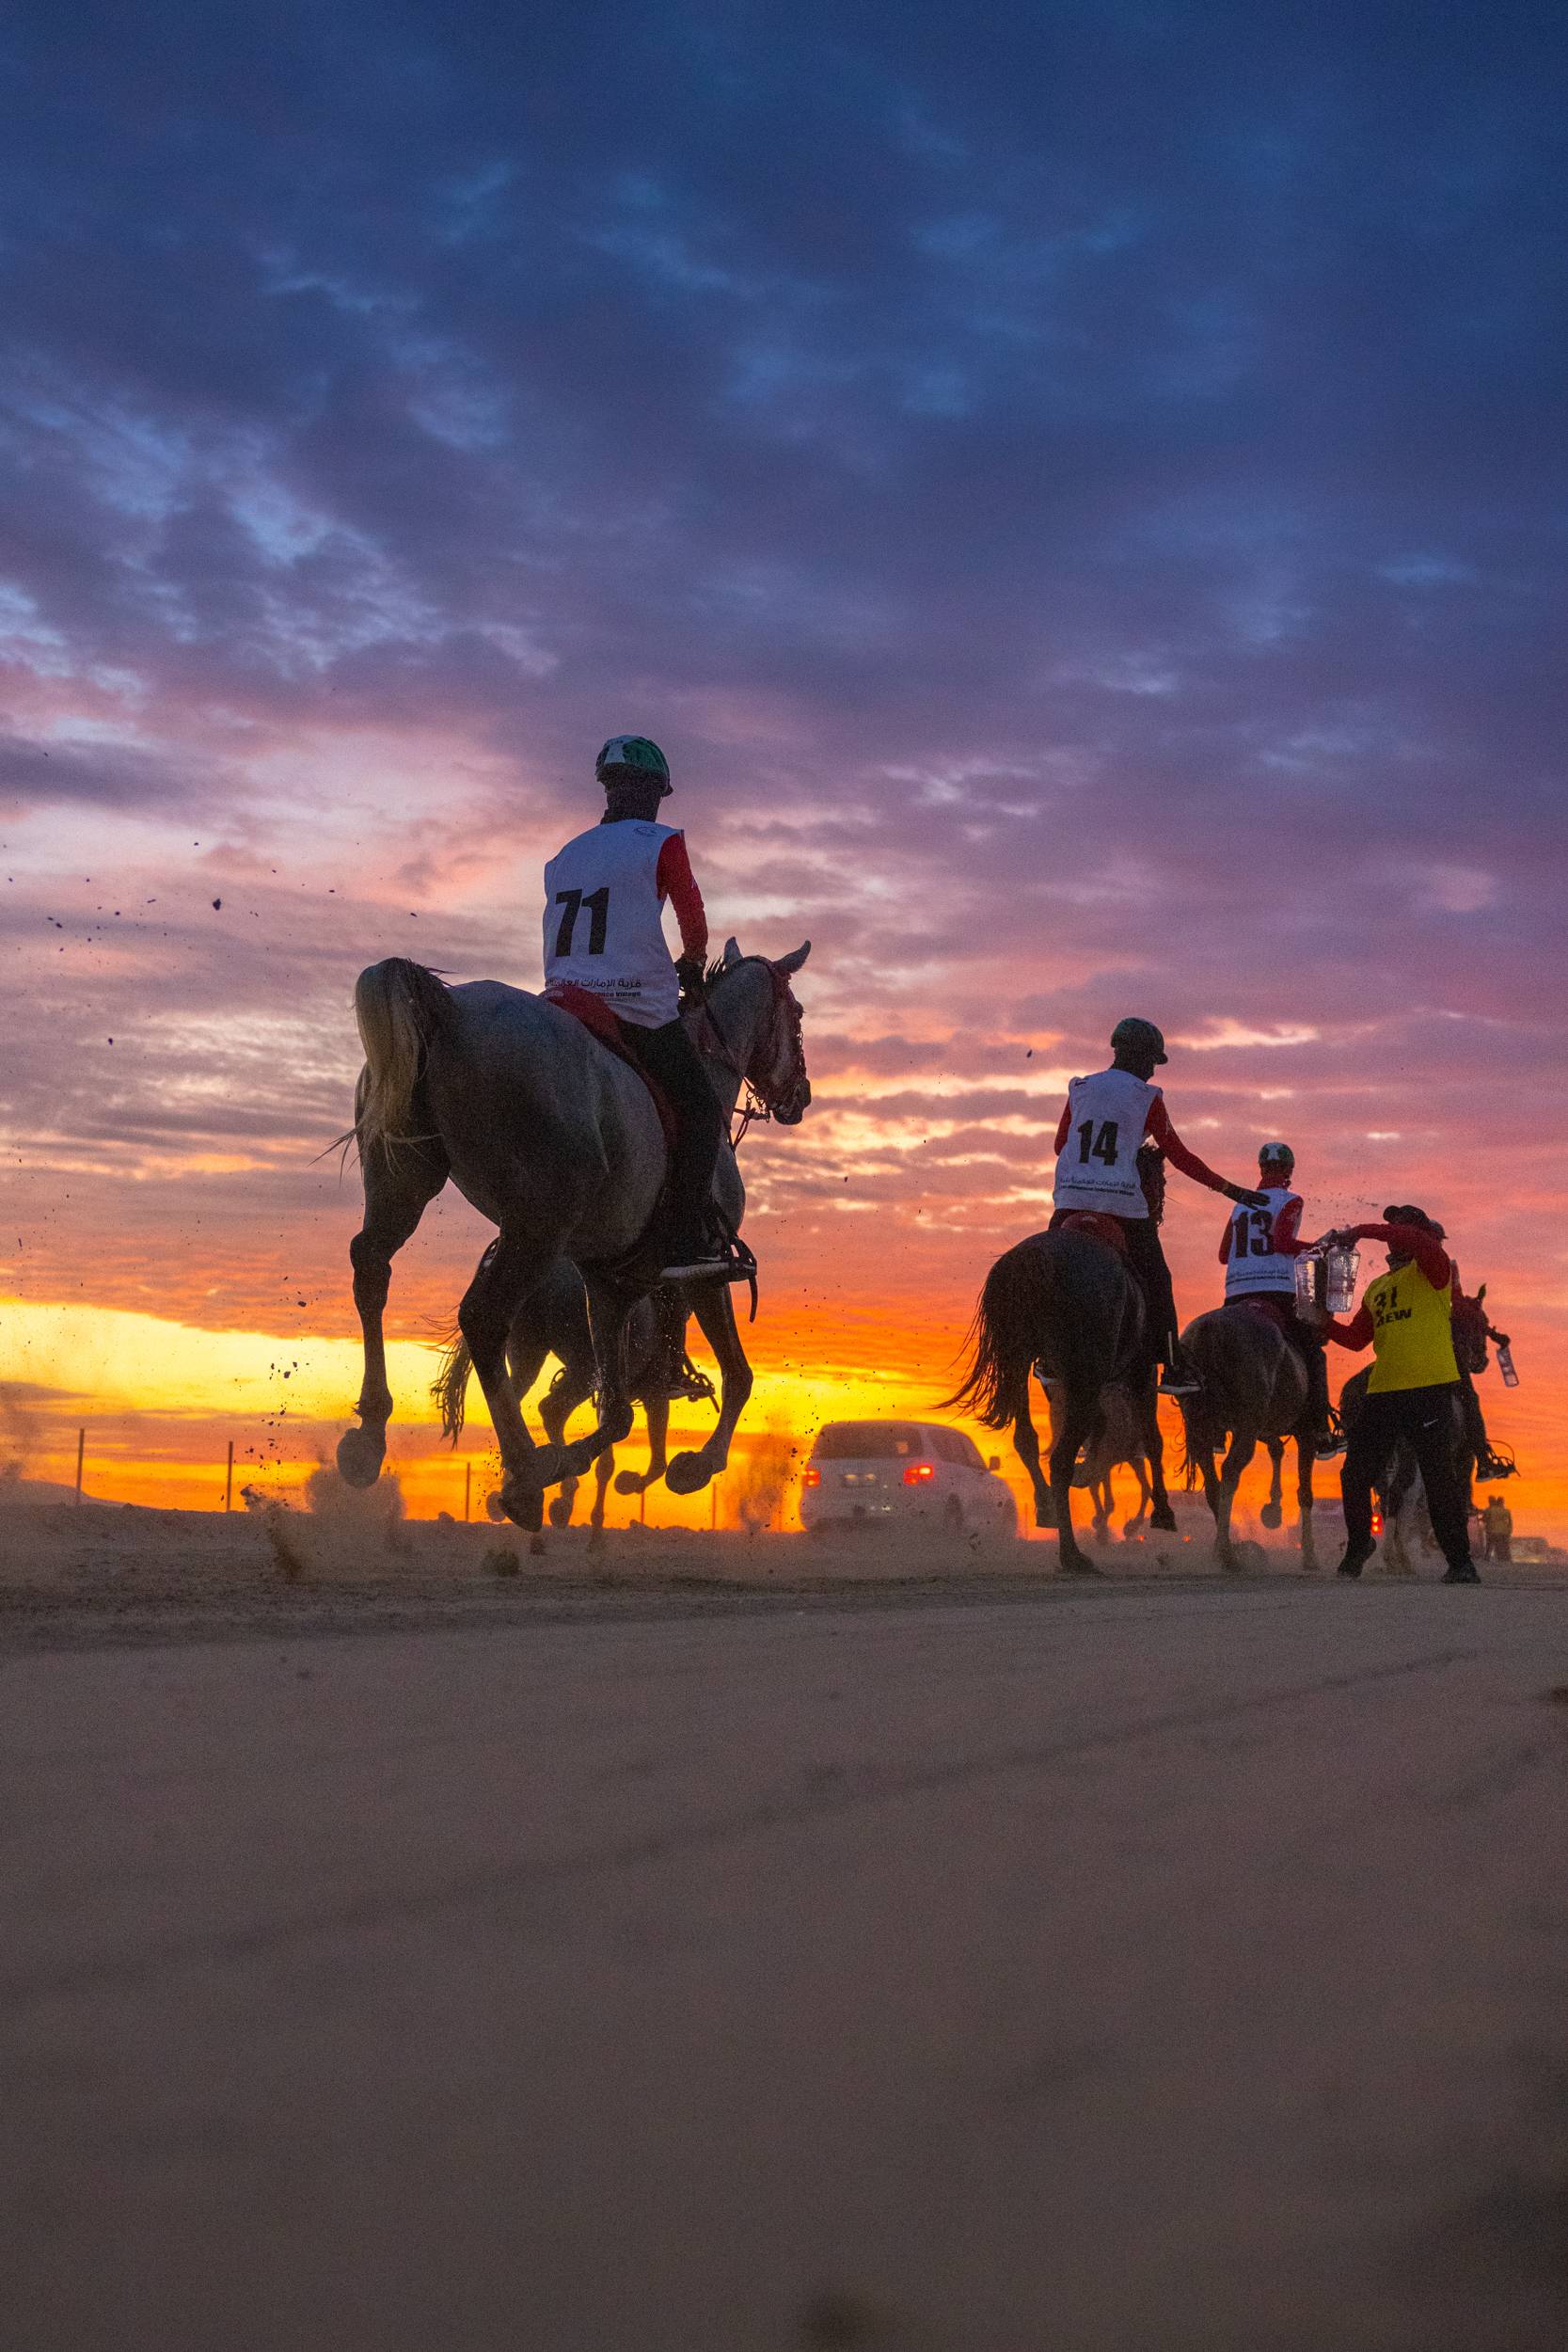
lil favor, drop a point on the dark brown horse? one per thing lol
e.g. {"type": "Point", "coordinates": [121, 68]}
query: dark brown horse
{"type": "Point", "coordinates": [1254, 1394]}
{"type": "Point", "coordinates": [1066, 1306]}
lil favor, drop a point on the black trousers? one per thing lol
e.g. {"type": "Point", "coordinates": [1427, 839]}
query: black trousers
{"type": "Point", "coordinates": [1147, 1261]}
{"type": "Point", "coordinates": [670, 1058]}
{"type": "Point", "coordinates": [1425, 1418]}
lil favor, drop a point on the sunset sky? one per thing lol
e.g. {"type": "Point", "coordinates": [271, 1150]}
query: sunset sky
{"type": "Point", "coordinates": [1077, 492]}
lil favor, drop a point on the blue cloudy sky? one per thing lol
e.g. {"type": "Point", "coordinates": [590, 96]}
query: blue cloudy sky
{"type": "Point", "coordinates": [1077, 490]}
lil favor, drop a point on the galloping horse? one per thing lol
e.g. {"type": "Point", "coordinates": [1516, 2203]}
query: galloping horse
{"type": "Point", "coordinates": [553, 1321]}
{"type": "Point", "coordinates": [1068, 1304]}
{"type": "Point", "coordinates": [1254, 1393]}
{"type": "Point", "coordinates": [558, 1142]}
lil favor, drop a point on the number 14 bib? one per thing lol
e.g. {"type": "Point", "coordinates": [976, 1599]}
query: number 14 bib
{"type": "Point", "coordinates": [1097, 1165]}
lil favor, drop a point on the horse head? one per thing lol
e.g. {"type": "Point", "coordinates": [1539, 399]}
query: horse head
{"type": "Point", "coordinates": [765, 1042]}
{"type": "Point", "coordinates": [1469, 1333]}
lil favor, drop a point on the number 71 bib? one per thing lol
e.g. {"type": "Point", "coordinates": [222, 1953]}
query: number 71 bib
{"type": "Point", "coordinates": [604, 927]}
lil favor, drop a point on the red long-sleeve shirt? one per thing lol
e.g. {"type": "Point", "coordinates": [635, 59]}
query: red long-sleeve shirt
{"type": "Point", "coordinates": [677, 883]}
{"type": "Point", "coordinates": [1406, 1241]}
{"type": "Point", "coordinates": [1158, 1130]}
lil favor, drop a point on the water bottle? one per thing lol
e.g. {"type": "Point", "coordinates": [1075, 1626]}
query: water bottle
{"type": "Point", "coordinates": [1505, 1365]}
{"type": "Point", "coordinates": [1343, 1266]}
{"type": "Point", "coordinates": [1311, 1290]}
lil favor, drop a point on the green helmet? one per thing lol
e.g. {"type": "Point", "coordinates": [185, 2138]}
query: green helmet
{"type": "Point", "coordinates": [629, 756]}
{"type": "Point", "coordinates": [1134, 1036]}
{"type": "Point", "coordinates": [1280, 1154]}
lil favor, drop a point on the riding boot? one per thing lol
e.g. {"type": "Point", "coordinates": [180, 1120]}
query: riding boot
{"type": "Point", "coordinates": [1321, 1432]}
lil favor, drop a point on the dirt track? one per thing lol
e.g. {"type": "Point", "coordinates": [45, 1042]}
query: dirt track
{"type": "Point", "coordinates": [707, 1955]}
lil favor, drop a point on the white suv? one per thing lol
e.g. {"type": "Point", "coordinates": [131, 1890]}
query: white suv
{"type": "Point", "coordinates": [872, 1471]}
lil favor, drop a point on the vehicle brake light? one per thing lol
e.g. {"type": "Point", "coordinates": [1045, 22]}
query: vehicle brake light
{"type": "Point", "coordinates": [810, 1477]}
{"type": "Point", "coordinates": [1377, 1522]}
{"type": "Point", "coordinates": [915, 1473]}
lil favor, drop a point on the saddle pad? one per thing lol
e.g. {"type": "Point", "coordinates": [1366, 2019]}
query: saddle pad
{"type": "Point", "coordinates": [1095, 1225]}
{"type": "Point", "coordinates": [596, 1016]}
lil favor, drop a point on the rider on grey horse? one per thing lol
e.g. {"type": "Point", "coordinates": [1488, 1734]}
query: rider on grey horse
{"type": "Point", "coordinates": [1257, 1250]}
{"type": "Point", "coordinates": [1107, 1118]}
{"type": "Point", "coordinates": [604, 897]}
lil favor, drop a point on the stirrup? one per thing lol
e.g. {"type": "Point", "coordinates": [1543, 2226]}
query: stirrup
{"type": "Point", "coordinates": [1178, 1380]}
{"type": "Point", "coordinates": [1497, 1464]}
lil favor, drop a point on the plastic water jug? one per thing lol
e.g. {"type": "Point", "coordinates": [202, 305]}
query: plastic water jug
{"type": "Point", "coordinates": [1505, 1365]}
{"type": "Point", "coordinates": [1326, 1278]}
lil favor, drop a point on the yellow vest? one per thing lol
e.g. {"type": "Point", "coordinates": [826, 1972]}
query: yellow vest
{"type": "Point", "coordinates": [1412, 1332]}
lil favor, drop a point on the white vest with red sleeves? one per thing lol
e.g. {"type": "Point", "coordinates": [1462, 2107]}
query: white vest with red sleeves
{"type": "Point", "coordinates": [603, 924]}
{"type": "Point", "coordinates": [1254, 1264]}
{"type": "Point", "coordinates": [1097, 1165]}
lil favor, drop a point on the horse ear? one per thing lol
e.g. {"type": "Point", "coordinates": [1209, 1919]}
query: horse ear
{"type": "Point", "coordinates": [791, 964]}
{"type": "Point", "coordinates": [1481, 1293]}
{"type": "Point", "coordinates": [732, 951]}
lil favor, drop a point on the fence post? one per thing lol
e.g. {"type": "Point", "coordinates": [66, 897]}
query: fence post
{"type": "Point", "coordinates": [81, 1456]}
{"type": "Point", "coordinates": [467, 1489]}
{"type": "Point", "coordinates": [228, 1480]}
{"type": "Point", "coordinates": [713, 1505]}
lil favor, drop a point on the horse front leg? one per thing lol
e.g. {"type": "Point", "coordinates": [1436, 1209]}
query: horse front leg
{"type": "Point", "coordinates": [567, 1390]}
{"type": "Point", "coordinates": [609, 1312]}
{"type": "Point", "coordinates": [1076, 1422]}
{"type": "Point", "coordinates": [1163, 1516]}
{"type": "Point", "coordinates": [1306, 1457]}
{"type": "Point", "coordinates": [1026, 1445]}
{"type": "Point", "coordinates": [398, 1190]}
{"type": "Point", "coordinates": [509, 1269]}
{"type": "Point", "coordinates": [715, 1313]}
{"type": "Point", "coordinates": [1273, 1512]}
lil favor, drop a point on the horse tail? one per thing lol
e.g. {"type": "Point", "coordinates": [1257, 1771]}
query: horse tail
{"type": "Point", "coordinates": [399, 1007]}
{"type": "Point", "coordinates": [450, 1388]}
{"type": "Point", "coordinates": [1006, 1337]}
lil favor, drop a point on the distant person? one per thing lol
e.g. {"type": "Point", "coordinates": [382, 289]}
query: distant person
{"type": "Point", "coordinates": [1257, 1250]}
{"type": "Point", "coordinates": [1107, 1118]}
{"type": "Point", "coordinates": [1496, 1526]}
{"type": "Point", "coordinates": [604, 893]}
{"type": "Point", "coordinates": [1407, 1315]}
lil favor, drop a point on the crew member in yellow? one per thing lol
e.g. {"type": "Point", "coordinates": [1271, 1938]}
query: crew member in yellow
{"type": "Point", "coordinates": [1407, 1315]}
{"type": "Point", "coordinates": [1496, 1523]}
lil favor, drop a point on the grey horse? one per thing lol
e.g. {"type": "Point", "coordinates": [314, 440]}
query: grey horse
{"type": "Point", "coordinates": [558, 1142]}
{"type": "Point", "coordinates": [1068, 1304]}
{"type": "Point", "coordinates": [1254, 1390]}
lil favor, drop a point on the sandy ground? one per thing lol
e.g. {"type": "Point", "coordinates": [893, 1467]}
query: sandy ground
{"type": "Point", "coordinates": [769, 1944]}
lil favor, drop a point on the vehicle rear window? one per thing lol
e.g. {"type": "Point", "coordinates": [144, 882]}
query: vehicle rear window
{"type": "Point", "coordinates": [867, 1442]}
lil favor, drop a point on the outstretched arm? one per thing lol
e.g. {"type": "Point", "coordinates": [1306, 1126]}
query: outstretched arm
{"type": "Point", "coordinates": [1158, 1130]}
{"type": "Point", "coordinates": [1406, 1241]}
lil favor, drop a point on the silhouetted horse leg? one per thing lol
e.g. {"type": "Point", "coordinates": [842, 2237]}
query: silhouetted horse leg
{"type": "Point", "coordinates": [1273, 1512]}
{"type": "Point", "coordinates": [399, 1187]}
{"type": "Point", "coordinates": [1306, 1457]}
{"type": "Point", "coordinates": [609, 1311]}
{"type": "Point", "coordinates": [1148, 1405]}
{"type": "Point", "coordinates": [1135, 1525]}
{"type": "Point", "coordinates": [1244, 1445]}
{"type": "Point", "coordinates": [573, 1385]}
{"type": "Point", "coordinates": [712, 1305]}
{"type": "Point", "coordinates": [655, 1409]}
{"type": "Point", "coordinates": [1026, 1445]}
{"type": "Point", "coordinates": [1077, 1420]}
{"type": "Point", "coordinates": [512, 1267]}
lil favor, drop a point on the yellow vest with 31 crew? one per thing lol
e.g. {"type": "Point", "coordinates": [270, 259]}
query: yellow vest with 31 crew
{"type": "Point", "coordinates": [1412, 1332]}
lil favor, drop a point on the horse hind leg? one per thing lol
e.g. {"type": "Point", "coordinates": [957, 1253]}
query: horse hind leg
{"type": "Point", "coordinates": [1077, 1419]}
{"type": "Point", "coordinates": [511, 1267]}
{"type": "Point", "coordinates": [1026, 1445]}
{"type": "Point", "coordinates": [1153, 1485]}
{"type": "Point", "coordinates": [1232, 1556]}
{"type": "Point", "coordinates": [398, 1190]}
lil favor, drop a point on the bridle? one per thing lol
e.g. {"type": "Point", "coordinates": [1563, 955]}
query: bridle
{"type": "Point", "coordinates": [761, 1101]}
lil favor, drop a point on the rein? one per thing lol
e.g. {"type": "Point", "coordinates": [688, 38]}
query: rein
{"type": "Point", "coordinates": [758, 1104]}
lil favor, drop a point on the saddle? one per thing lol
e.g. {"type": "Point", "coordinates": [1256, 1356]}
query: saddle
{"type": "Point", "coordinates": [598, 1018]}
{"type": "Point", "coordinates": [1273, 1311]}
{"type": "Point", "coordinates": [1096, 1225]}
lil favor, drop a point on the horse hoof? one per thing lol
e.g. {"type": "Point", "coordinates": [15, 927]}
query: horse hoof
{"type": "Point", "coordinates": [1271, 1515]}
{"type": "Point", "coordinates": [629, 1482]}
{"type": "Point", "coordinates": [524, 1505]}
{"type": "Point", "coordinates": [536, 1546]}
{"type": "Point", "coordinates": [1164, 1521]}
{"type": "Point", "coordinates": [595, 1540]}
{"type": "Point", "coordinates": [561, 1511]}
{"type": "Point", "coordinates": [1045, 1515]}
{"type": "Point", "coordinates": [361, 1455]}
{"type": "Point", "coordinates": [688, 1474]}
